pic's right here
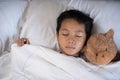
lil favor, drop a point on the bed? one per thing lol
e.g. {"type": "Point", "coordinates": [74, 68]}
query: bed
{"type": "Point", "coordinates": [36, 20]}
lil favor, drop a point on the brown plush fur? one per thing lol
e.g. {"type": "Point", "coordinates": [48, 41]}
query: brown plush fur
{"type": "Point", "coordinates": [101, 48]}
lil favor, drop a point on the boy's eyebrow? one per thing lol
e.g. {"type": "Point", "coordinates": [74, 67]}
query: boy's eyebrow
{"type": "Point", "coordinates": [64, 29]}
{"type": "Point", "coordinates": [79, 31]}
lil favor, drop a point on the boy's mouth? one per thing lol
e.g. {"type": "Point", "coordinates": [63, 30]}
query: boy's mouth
{"type": "Point", "coordinates": [70, 47]}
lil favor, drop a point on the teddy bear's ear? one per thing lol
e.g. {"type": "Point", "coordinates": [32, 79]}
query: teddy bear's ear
{"type": "Point", "coordinates": [109, 34]}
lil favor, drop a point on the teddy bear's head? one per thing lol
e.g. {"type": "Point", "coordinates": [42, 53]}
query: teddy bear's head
{"type": "Point", "coordinates": [101, 48]}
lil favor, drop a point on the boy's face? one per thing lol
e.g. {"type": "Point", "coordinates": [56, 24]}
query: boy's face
{"type": "Point", "coordinates": [71, 37]}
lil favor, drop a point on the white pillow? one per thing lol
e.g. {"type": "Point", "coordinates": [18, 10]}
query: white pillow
{"type": "Point", "coordinates": [106, 15]}
{"type": "Point", "coordinates": [40, 22]}
{"type": "Point", "coordinates": [10, 12]}
{"type": "Point", "coordinates": [0, 46]}
{"type": "Point", "coordinates": [40, 19]}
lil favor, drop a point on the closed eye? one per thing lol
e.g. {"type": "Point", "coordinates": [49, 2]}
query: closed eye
{"type": "Point", "coordinates": [65, 34]}
{"type": "Point", "coordinates": [78, 36]}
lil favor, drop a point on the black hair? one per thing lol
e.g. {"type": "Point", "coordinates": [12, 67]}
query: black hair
{"type": "Point", "coordinates": [79, 17]}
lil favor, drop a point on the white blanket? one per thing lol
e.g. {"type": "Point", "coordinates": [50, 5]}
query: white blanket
{"type": "Point", "coordinates": [39, 63]}
{"type": "Point", "coordinates": [5, 67]}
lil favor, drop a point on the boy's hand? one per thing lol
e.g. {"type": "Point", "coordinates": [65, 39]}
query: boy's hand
{"type": "Point", "coordinates": [22, 41]}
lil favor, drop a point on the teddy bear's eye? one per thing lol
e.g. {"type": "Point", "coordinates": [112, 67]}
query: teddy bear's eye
{"type": "Point", "coordinates": [106, 49]}
{"type": "Point", "coordinates": [103, 56]}
{"type": "Point", "coordinates": [96, 54]}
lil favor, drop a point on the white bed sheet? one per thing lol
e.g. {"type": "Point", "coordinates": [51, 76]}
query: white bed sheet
{"type": "Point", "coordinates": [5, 66]}
{"type": "Point", "coordinates": [39, 63]}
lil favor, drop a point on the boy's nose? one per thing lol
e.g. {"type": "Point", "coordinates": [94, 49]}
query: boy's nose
{"type": "Point", "coordinates": [71, 40]}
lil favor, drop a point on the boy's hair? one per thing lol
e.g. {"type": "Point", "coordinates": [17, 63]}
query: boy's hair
{"type": "Point", "coordinates": [79, 17]}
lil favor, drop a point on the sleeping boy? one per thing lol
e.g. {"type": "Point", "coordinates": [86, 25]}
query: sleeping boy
{"type": "Point", "coordinates": [73, 31]}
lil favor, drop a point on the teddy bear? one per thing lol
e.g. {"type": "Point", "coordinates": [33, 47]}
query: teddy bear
{"type": "Point", "coordinates": [101, 48]}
